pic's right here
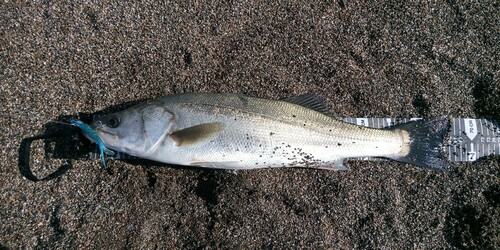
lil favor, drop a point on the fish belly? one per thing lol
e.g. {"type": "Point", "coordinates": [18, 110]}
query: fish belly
{"type": "Point", "coordinates": [251, 140]}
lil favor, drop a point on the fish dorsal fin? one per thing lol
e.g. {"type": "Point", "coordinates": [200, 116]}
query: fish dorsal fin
{"type": "Point", "coordinates": [196, 134]}
{"type": "Point", "coordinates": [311, 101]}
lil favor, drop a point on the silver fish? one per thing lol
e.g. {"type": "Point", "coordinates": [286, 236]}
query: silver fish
{"type": "Point", "coordinates": [232, 131]}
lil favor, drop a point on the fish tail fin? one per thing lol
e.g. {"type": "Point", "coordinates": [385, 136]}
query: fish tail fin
{"type": "Point", "coordinates": [426, 140]}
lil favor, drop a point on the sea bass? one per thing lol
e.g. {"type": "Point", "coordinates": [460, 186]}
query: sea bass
{"type": "Point", "coordinates": [233, 131]}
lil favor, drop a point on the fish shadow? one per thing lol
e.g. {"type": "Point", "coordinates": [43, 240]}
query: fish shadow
{"type": "Point", "coordinates": [62, 141]}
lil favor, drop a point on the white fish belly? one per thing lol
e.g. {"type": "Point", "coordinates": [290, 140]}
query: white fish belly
{"type": "Point", "coordinates": [261, 142]}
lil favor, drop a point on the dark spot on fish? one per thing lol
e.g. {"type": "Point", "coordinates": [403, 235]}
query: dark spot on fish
{"type": "Point", "coordinates": [339, 144]}
{"type": "Point", "coordinates": [260, 155]}
{"type": "Point", "coordinates": [330, 130]}
{"type": "Point", "coordinates": [294, 116]}
{"type": "Point", "coordinates": [260, 145]}
{"type": "Point", "coordinates": [304, 124]}
{"type": "Point", "coordinates": [326, 146]}
{"type": "Point", "coordinates": [353, 142]}
{"type": "Point", "coordinates": [271, 133]}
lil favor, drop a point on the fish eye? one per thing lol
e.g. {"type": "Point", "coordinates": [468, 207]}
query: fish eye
{"type": "Point", "coordinates": [113, 122]}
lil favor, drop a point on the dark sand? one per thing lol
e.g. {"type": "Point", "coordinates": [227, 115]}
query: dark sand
{"type": "Point", "coordinates": [367, 59]}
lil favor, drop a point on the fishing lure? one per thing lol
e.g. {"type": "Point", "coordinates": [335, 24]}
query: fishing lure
{"type": "Point", "coordinates": [91, 134]}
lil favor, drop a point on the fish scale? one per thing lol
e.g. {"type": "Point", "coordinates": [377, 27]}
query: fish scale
{"type": "Point", "coordinates": [233, 131]}
{"type": "Point", "coordinates": [320, 145]}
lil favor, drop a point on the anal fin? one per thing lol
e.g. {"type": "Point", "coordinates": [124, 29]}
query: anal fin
{"type": "Point", "coordinates": [337, 165]}
{"type": "Point", "coordinates": [213, 164]}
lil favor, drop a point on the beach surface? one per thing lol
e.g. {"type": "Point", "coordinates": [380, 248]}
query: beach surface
{"type": "Point", "coordinates": [59, 59]}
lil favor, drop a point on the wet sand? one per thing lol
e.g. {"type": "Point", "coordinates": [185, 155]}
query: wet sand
{"type": "Point", "coordinates": [366, 58]}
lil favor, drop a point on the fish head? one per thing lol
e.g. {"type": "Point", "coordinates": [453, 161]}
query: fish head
{"type": "Point", "coordinates": [136, 130]}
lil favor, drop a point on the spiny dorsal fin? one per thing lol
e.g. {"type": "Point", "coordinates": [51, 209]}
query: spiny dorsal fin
{"type": "Point", "coordinates": [311, 101]}
{"type": "Point", "coordinates": [196, 134]}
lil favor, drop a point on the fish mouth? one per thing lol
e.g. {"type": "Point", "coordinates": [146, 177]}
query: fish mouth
{"type": "Point", "coordinates": [96, 125]}
{"type": "Point", "coordinates": [100, 129]}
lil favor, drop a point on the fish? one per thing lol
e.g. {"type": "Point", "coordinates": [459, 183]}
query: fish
{"type": "Point", "coordinates": [235, 131]}
{"type": "Point", "coordinates": [90, 133]}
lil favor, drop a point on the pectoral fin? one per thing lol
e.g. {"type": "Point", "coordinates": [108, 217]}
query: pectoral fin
{"type": "Point", "coordinates": [337, 165]}
{"type": "Point", "coordinates": [196, 134]}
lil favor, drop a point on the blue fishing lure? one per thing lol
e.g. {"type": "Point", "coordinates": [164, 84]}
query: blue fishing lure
{"type": "Point", "coordinates": [87, 130]}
